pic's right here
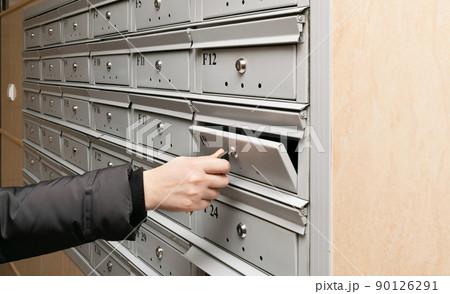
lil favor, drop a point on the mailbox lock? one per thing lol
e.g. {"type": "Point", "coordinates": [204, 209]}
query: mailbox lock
{"type": "Point", "coordinates": [32, 66]}
{"type": "Point", "coordinates": [241, 65]}
{"type": "Point", "coordinates": [32, 98]}
{"type": "Point", "coordinates": [109, 265]}
{"type": "Point", "coordinates": [233, 153]}
{"type": "Point", "coordinates": [241, 230]}
{"type": "Point", "coordinates": [159, 253]}
{"type": "Point", "coordinates": [108, 116]}
{"type": "Point", "coordinates": [108, 65]}
{"type": "Point", "coordinates": [158, 65]}
{"type": "Point", "coordinates": [74, 150]}
{"type": "Point", "coordinates": [75, 25]}
{"type": "Point", "coordinates": [51, 176]}
{"type": "Point", "coordinates": [160, 128]}
{"type": "Point", "coordinates": [74, 108]}
{"type": "Point", "coordinates": [50, 102]}
{"type": "Point", "coordinates": [108, 15]}
{"type": "Point", "coordinates": [50, 31]}
{"type": "Point", "coordinates": [50, 66]}
{"type": "Point", "coordinates": [31, 130]}
{"type": "Point", "coordinates": [32, 35]}
{"type": "Point", "coordinates": [110, 164]}
{"type": "Point", "coordinates": [50, 138]}
{"type": "Point", "coordinates": [74, 66]}
{"type": "Point", "coordinates": [32, 161]}
{"type": "Point", "coordinates": [157, 4]}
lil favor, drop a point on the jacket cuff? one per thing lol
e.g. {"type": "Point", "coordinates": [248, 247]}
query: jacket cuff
{"type": "Point", "coordinates": [137, 196]}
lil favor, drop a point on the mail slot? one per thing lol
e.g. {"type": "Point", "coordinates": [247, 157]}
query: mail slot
{"type": "Point", "coordinates": [111, 19]}
{"type": "Point", "coordinates": [75, 148]}
{"type": "Point", "coordinates": [51, 137]}
{"type": "Point", "coordinates": [76, 63]}
{"type": "Point", "coordinates": [160, 255]}
{"type": "Point", "coordinates": [106, 154]}
{"type": "Point", "coordinates": [150, 13]}
{"type": "Point", "coordinates": [33, 37]}
{"type": "Point", "coordinates": [230, 7]}
{"type": "Point", "coordinates": [32, 98]}
{"type": "Point", "coordinates": [51, 69]}
{"type": "Point", "coordinates": [76, 106]}
{"type": "Point", "coordinates": [110, 112]}
{"type": "Point", "coordinates": [255, 158]}
{"type": "Point", "coordinates": [51, 33]}
{"type": "Point", "coordinates": [31, 65]}
{"type": "Point", "coordinates": [165, 70]}
{"type": "Point", "coordinates": [254, 239]}
{"type": "Point", "coordinates": [106, 263]}
{"type": "Point", "coordinates": [31, 129]}
{"type": "Point", "coordinates": [162, 124]}
{"type": "Point", "coordinates": [257, 71]}
{"type": "Point", "coordinates": [31, 161]}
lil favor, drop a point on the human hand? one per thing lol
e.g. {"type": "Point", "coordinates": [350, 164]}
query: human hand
{"type": "Point", "coordinates": [185, 183]}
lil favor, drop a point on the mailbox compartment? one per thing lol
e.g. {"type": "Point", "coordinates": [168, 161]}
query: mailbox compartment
{"type": "Point", "coordinates": [31, 96]}
{"type": "Point", "coordinates": [76, 63]}
{"type": "Point", "coordinates": [85, 250]}
{"type": "Point", "coordinates": [31, 65]}
{"type": "Point", "coordinates": [51, 170]}
{"type": "Point", "coordinates": [252, 71]}
{"type": "Point", "coordinates": [111, 18]}
{"type": "Point", "coordinates": [51, 137]}
{"type": "Point", "coordinates": [51, 33]}
{"type": "Point", "coordinates": [31, 129]}
{"type": "Point", "coordinates": [106, 263]}
{"type": "Point", "coordinates": [261, 231]}
{"type": "Point", "coordinates": [163, 70]}
{"type": "Point", "coordinates": [31, 161]}
{"type": "Point", "coordinates": [231, 7]}
{"type": "Point", "coordinates": [75, 21]}
{"type": "Point", "coordinates": [105, 154]}
{"type": "Point", "coordinates": [33, 37]}
{"type": "Point", "coordinates": [161, 253]}
{"type": "Point", "coordinates": [76, 106]}
{"type": "Point", "coordinates": [162, 124]}
{"type": "Point", "coordinates": [111, 69]}
{"type": "Point", "coordinates": [150, 13]}
{"type": "Point", "coordinates": [75, 148]}
{"type": "Point", "coordinates": [51, 100]}
{"type": "Point", "coordinates": [110, 112]}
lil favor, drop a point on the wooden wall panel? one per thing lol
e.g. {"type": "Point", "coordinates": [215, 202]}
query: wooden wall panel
{"type": "Point", "coordinates": [391, 130]}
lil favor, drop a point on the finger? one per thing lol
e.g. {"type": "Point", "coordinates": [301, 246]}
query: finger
{"type": "Point", "coordinates": [210, 194]}
{"type": "Point", "coordinates": [204, 204]}
{"type": "Point", "coordinates": [216, 166]}
{"type": "Point", "coordinates": [216, 181]}
{"type": "Point", "coordinates": [217, 153]}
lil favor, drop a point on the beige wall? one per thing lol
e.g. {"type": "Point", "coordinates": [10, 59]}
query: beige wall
{"type": "Point", "coordinates": [11, 152]}
{"type": "Point", "coordinates": [390, 137]}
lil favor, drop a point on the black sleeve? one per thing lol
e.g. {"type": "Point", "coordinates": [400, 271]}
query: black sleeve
{"type": "Point", "coordinates": [70, 211]}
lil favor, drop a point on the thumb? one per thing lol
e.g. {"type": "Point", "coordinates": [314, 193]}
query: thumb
{"type": "Point", "coordinates": [217, 153]}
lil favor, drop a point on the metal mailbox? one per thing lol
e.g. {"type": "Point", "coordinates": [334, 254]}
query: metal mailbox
{"type": "Point", "coordinates": [31, 65]}
{"type": "Point", "coordinates": [51, 170]}
{"type": "Point", "coordinates": [151, 13]}
{"type": "Point", "coordinates": [106, 154]}
{"type": "Point", "coordinates": [166, 258]}
{"type": "Point", "coordinates": [230, 7]}
{"type": "Point", "coordinates": [76, 63]}
{"type": "Point", "coordinates": [75, 148]}
{"type": "Point", "coordinates": [85, 250]}
{"type": "Point", "coordinates": [51, 33]}
{"type": "Point", "coordinates": [106, 264]}
{"type": "Point", "coordinates": [258, 159]}
{"type": "Point", "coordinates": [111, 62]}
{"type": "Point", "coordinates": [51, 100]}
{"type": "Point", "coordinates": [51, 137]}
{"type": "Point", "coordinates": [162, 124]}
{"type": "Point", "coordinates": [76, 106]}
{"type": "Point", "coordinates": [31, 96]}
{"type": "Point", "coordinates": [32, 37]}
{"type": "Point", "coordinates": [31, 128]}
{"type": "Point", "coordinates": [248, 230]}
{"type": "Point", "coordinates": [110, 112]}
{"type": "Point", "coordinates": [51, 65]}
{"type": "Point", "coordinates": [111, 18]}
{"type": "Point", "coordinates": [75, 21]}
{"type": "Point", "coordinates": [31, 161]}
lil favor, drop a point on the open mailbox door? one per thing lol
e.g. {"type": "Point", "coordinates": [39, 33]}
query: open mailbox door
{"type": "Point", "coordinates": [258, 159]}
